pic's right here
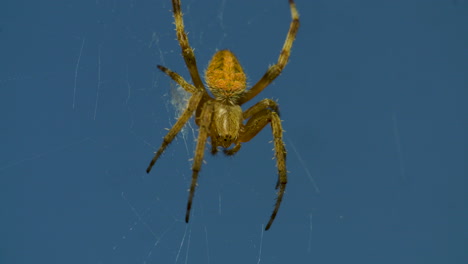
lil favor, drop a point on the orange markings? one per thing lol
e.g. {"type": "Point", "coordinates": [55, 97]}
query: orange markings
{"type": "Point", "coordinates": [225, 75]}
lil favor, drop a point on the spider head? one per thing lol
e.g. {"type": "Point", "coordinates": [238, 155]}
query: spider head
{"type": "Point", "coordinates": [225, 77]}
{"type": "Point", "coordinates": [227, 121]}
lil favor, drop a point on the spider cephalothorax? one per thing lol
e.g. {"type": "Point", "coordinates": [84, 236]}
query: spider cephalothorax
{"type": "Point", "coordinates": [221, 118]}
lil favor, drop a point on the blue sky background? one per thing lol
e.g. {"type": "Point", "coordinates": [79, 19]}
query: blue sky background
{"type": "Point", "coordinates": [374, 107]}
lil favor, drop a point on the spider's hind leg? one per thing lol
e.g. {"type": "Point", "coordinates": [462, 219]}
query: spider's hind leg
{"type": "Point", "coordinates": [178, 79]}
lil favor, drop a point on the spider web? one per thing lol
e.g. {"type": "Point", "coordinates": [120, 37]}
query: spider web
{"type": "Point", "coordinates": [178, 100]}
{"type": "Point", "coordinates": [175, 103]}
{"type": "Point", "coordinates": [372, 103]}
{"type": "Point", "coordinates": [96, 96]}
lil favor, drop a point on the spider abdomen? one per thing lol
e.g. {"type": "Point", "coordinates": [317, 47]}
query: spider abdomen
{"type": "Point", "coordinates": [225, 77]}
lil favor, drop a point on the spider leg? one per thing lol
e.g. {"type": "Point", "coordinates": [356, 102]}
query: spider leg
{"type": "Point", "coordinates": [187, 51]}
{"type": "Point", "coordinates": [178, 79]}
{"type": "Point", "coordinates": [191, 106]}
{"type": "Point", "coordinates": [263, 104]}
{"type": "Point", "coordinates": [214, 146]}
{"type": "Point", "coordinates": [205, 120]}
{"type": "Point", "coordinates": [275, 70]}
{"type": "Point", "coordinates": [234, 150]}
{"type": "Point", "coordinates": [254, 125]}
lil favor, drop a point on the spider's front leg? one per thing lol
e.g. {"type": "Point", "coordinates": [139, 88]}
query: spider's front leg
{"type": "Point", "coordinates": [205, 120]}
{"type": "Point", "coordinates": [264, 104]}
{"type": "Point", "coordinates": [259, 116]}
{"type": "Point", "coordinates": [191, 106]}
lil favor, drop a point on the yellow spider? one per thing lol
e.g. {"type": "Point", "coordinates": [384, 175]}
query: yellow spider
{"type": "Point", "coordinates": [221, 118]}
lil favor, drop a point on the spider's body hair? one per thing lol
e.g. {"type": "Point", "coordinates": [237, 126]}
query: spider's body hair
{"type": "Point", "coordinates": [225, 77]}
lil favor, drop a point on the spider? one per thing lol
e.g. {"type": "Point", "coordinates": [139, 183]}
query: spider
{"type": "Point", "coordinates": [221, 118]}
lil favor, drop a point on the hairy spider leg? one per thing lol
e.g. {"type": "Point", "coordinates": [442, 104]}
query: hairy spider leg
{"type": "Point", "coordinates": [178, 79]}
{"type": "Point", "coordinates": [191, 106]}
{"type": "Point", "coordinates": [187, 51]}
{"type": "Point", "coordinates": [275, 70]}
{"type": "Point", "coordinates": [205, 120]}
{"type": "Point", "coordinates": [255, 124]}
{"type": "Point", "coordinates": [265, 103]}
